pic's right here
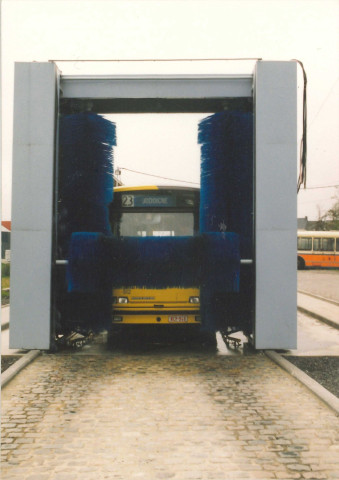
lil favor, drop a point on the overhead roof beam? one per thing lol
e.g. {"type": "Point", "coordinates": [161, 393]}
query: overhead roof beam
{"type": "Point", "coordinates": [157, 86]}
{"type": "Point", "coordinates": [155, 93]}
{"type": "Point", "coordinates": [154, 105]}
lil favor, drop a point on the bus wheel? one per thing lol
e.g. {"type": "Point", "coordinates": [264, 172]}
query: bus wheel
{"type": "Point", "coordinates": [301, 263]}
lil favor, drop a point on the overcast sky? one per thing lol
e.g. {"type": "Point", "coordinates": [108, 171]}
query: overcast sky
{"type": "Point", "coordinates": [166, 144]}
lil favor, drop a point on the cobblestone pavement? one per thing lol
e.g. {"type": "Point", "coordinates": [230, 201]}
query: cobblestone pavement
{"type": "Point", "coordinates": [164, 415]}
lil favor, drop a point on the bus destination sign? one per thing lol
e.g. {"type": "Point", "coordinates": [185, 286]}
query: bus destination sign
{"type": "Point", "coordinates": [147, 201]}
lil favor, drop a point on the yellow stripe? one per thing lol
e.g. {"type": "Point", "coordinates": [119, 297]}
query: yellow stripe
{"type": "Point", "coordinates": [130, 189]}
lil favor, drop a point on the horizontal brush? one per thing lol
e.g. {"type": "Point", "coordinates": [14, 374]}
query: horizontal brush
{"type": "Point", "coordinates": [97, 264]}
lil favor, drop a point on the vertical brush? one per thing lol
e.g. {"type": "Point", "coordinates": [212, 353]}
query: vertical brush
{"type": "Point", "coordinates": [85, 191]}
{"type": "Point", "coordinates": [226, 198]}
{"type": "Point", "coordinates": [85, 175]}
{"type": "Point", "coordinates": [226, 205]}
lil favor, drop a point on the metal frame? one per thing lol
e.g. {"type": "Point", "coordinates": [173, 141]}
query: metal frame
{"type": "Point", "coordinates": [34, 154]}
{"type": "Point", "coordinates": [34, 142]}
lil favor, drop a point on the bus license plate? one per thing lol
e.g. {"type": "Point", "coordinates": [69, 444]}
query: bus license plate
{"type": "Point", "coordinates": [177, 319]}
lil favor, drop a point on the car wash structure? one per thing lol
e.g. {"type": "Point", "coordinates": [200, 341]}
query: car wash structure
{"type": "Point", "coordinates": [244, 257]}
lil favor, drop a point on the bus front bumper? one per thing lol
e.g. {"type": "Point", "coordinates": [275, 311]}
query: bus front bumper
{"type": "Point", "coordinates": [170, 318]}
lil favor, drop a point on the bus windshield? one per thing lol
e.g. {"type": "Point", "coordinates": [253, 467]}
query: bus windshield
{"type": "Point", "coordinates": [159, 224]}
{"type": "Point", "coordinates": [155, 212]}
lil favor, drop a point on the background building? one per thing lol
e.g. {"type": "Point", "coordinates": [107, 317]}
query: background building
{"type": "Point", "coordinates": [5, 239]}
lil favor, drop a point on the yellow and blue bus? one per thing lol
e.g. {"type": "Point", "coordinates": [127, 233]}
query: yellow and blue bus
{"type": "Point", "coordinates": [154, 211]}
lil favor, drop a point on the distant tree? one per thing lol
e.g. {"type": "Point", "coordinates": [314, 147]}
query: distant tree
{"type": "Point", "coordinates": [333, 215]}
{"type": "Point", "coordinates": [330, 219]}
{"type": "Point", "coordinates": [320, 223]}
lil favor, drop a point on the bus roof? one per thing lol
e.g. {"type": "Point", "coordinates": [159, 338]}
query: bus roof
{"type": "Point", "coordinates": [319, 233]}
{"type": "Point", "coordinates": [153, 187]}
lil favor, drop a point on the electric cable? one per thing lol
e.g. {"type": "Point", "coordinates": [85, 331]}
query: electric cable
{"type": "Point", "coordinates": [322, 186]}
{"type": "Point", "coordinates": [303, 143]}
{"type": "Point", "coordinates": [158, 176]}
{"type": "Point", "coordinates": [323, 103]}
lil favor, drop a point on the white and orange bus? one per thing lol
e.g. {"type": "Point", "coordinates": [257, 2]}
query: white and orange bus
{"type": "Point", "coordinates": [318, 249]}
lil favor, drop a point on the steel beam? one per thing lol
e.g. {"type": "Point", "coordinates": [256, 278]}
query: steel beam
{"type": "Point", "coordinates": [157, 86]}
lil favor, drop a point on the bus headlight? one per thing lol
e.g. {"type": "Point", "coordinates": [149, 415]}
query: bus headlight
{"type": "Point", "coordinates": [194, 300]}
{"type": "Point", "coordinates": [122, 300]}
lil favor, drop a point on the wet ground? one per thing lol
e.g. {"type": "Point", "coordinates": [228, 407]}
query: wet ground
{"type": "Point", "coordinates": [318, 352]}
{"type": "Point", "coordinates": [164, 413]}
{"type": "Point", "coordinates": [315, 338]}
{"type": "Point", "coordinates": [320, 282]}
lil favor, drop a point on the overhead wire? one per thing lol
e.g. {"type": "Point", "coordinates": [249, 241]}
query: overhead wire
{"type": "Point", "coordinates": [323, 103]}
{"type": "Point", "coordinates": [158, 176]}
{"type": "Point", "coordinates": [157, 60]}
{"type": "Point", "coordinates": [322, 186]}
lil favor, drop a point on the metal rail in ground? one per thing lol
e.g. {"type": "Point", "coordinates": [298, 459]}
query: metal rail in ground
{"type": "Point", "coordinates": [319, 297]}
{"type": "Point", "coordinates": [316, 312]}
{"type": "Point", "coordinates": [327, 397]}
{"type": "Point", "coordinates": [19, 365]}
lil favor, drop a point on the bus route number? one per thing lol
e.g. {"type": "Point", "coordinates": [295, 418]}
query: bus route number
{"type": "Point", "coordinates": [127, 200]}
